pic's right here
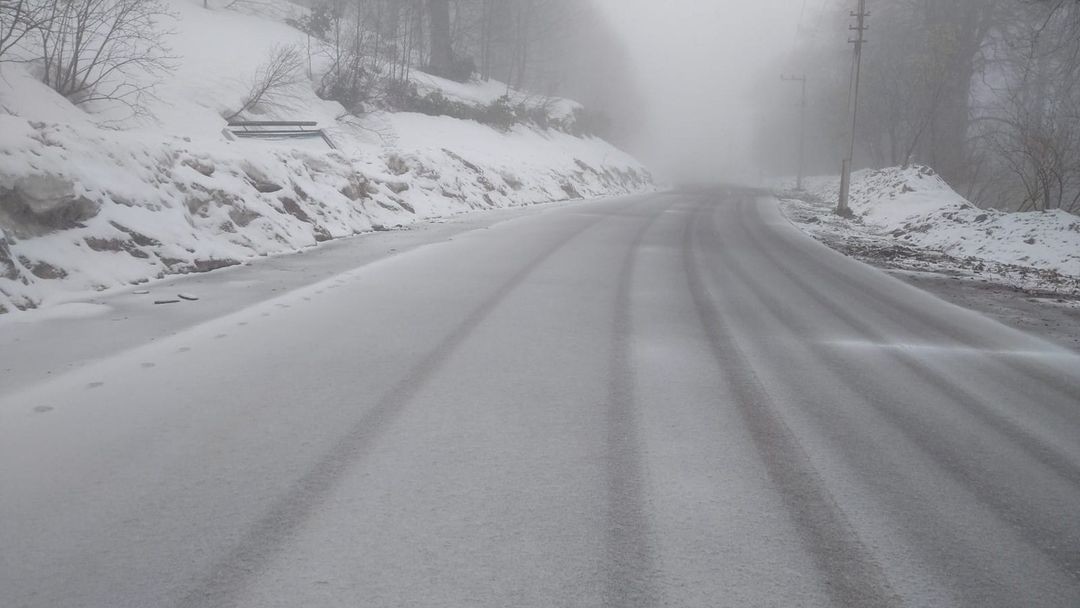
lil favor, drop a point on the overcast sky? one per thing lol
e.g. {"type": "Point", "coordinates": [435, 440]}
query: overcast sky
{"type": "Point", "coordinates": [697, 63]}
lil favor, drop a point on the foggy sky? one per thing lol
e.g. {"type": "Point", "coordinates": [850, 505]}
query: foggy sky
{"type": "Point", "coordinates": [698, 63]}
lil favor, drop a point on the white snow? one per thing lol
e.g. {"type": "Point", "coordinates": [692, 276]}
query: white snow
{"type": "Point", "coordinates": [487, 92]}
{"type": "Point", "coordinates": [915, 207]}
{"type": "Point", "coordinates": [141, 199]}
{"type": "Point", "coordinates": [68, 310]}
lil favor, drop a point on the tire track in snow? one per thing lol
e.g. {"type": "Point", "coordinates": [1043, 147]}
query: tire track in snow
{"type": "Point", "coordinates": [630, 571]}
{"type": "Point", "coordinates": [837, 371]}
{"type": "Point", "coordinates": [1058, 385]}
{"type": "Point", "coordinates": [852, 575]}
{"type": "Point", "coordinates": [225, 581]}
{"type": "Point", "coordinates": [1007, 427]}
{"type": "Point", "coordinates": [1050, 535]}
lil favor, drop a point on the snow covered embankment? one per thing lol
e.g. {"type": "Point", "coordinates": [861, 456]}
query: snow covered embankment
{"type": "Point", "coordinates": [83, 210]}
{"type": "Point", "coordinates": [914, 214]}
{"type": "Point", "coordinates": [93, 198]}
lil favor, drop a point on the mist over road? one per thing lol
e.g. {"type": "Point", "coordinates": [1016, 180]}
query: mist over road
{"type": "Point", "coordinates": [665, 400]}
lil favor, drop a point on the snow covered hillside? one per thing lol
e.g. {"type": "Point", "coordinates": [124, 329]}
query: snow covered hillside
{"type": "Point", "coordinates": [914, 208]}
{"type": "Point", "coordinates": [96, 199]}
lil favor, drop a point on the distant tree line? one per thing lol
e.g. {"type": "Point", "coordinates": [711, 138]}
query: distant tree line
{"type": "Point", "coordinates": [985, 91]}
{"type": "Point", "coordinates": [370, 49]}
{"type": "Point", "coordinates": [360, 53]}
{"type": "Point", "coordinates": [514, 41]}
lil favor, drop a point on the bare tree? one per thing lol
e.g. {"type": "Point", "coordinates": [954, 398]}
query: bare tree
{"type": "Point", "coordinates": [1030, 123]}
{"type": "Point", "coordinates": [904, 87]}
{"type": "Point", "coordinates": [93, 50]}
{"type": "Point", "coordinates": [18, 18]}
{"type": "Point", "coordinates": [274, 80]}
{"type": "Point", "coordinates": [350, 75]}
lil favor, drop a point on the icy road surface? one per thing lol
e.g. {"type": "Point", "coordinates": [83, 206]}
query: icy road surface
{"type": "Point", "coordinates": [667, 400]}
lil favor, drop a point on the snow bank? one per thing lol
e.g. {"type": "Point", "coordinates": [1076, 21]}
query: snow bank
{"type": "Point", "coordinates": [83, 209]}
{"type": "Point", "coordinates": [915, 207]}
{"type": "Point", "coordinates": [92, 201]}
{"type": "Point", "coordinates": [485, 93]}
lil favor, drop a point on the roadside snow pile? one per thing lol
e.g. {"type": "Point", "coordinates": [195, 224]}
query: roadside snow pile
{"type": "Point", "coordinates": [915, 208]}
{"type": "Point", "coordinates": [87, 206]}
{"type": "Point", "coordinates": [83, 209]}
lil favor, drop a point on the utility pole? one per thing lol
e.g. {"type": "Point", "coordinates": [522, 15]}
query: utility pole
{"type": "Point", "coordinates": [802, 129]}
{"type": "Point", "coordinates": [859, 40]}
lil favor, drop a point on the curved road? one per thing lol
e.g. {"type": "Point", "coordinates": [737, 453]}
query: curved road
{"type": "Point", "coordinates": [667, 400]}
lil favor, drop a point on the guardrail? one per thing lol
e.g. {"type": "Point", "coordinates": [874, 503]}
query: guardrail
{"type": "Point", "coordinates": [277, 129]}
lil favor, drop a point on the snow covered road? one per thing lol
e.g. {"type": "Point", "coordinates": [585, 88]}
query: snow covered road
{"type": "Point", "coordinates": [664, 400]}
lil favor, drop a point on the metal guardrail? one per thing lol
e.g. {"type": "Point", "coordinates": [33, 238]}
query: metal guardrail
{"type": "Point", "coordinates": [273, 123]}
{"type": "Point", "coordinates": [275, 129]}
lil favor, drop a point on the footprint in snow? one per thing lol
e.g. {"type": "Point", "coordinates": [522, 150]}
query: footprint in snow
{"type": "Point", "coordinates": [41, 409]}
{"type": "Point", "coordinates": [95, 385]}
{"type": "Point", "coordinates": [148, 365]}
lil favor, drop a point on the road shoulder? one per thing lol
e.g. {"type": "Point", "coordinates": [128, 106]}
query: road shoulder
{"type": "Point", "coordinates": [40, 344]}
{"type": "Point", "coordinates": [1042, 304]}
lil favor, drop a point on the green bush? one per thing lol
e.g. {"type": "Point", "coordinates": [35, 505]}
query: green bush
{"type": "Point", "coordinates": [536, 114]}
{"type": "Point", "coordinates": [405, 96]}
{"type": "Point", "coordinates": [501, 114]}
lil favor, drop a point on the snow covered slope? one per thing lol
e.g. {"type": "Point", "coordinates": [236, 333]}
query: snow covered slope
{"type": "Point", "coordinates": [916, 208]}
{"type": "Point", "coordinates": [94, 200]}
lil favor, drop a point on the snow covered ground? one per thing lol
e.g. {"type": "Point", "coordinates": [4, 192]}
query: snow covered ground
{"type": "Point", "coordinates": [911, 219]}
{"type": "Point", "coordinates": [96, 200]}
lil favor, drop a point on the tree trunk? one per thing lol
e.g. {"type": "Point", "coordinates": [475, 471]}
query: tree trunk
{"type": "Point", "coordinates": [962, 27]}
{"type": "Point", "coordinates": [442, 57]}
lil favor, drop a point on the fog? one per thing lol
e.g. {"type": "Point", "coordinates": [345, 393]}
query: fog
{"type": "Point", "coordinates": [699, 65]}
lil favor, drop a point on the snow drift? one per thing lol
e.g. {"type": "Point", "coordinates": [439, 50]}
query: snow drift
{"type": "Point", "coordinates": [915, 207]}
